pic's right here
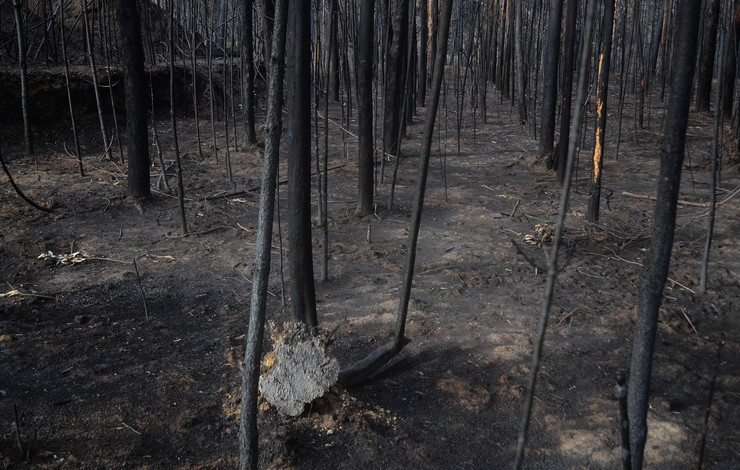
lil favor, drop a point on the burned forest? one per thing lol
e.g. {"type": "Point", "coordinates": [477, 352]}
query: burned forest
{"type": "Point", "coordinates": [369, 234]}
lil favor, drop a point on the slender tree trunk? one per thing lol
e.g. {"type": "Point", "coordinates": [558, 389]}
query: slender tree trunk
{"type": "Point", "coordinates": [365, 152]}
{"type": "Point", "coordinates": [655, 272]}
{"type": "Point", "coordinates": [76, 138]}
{"type": "Point", "coordinates": [23, 69]}
{"type": "Point", "coordinates": [423, 49]}
{"type": "Point", "coordinates": [173, 119]}
{"type": "Point", "coordinates": [136, 99]}
{"type": "Point", "coordinates": [299, 161]}
{"type": "Point", "coordinates": [91, 55]}
{"type": "Point", "coordinates": [594, 197]}
{"type": "Point", "coordinates": [248, 432]}
{"type": "Point", "coordinates": [519, 64]}
{"type": "Point", "coordinates": [550, 79]}
{"type": "Point", "coordinates": [247, 60]}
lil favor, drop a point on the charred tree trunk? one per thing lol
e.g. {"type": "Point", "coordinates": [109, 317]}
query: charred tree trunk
{"type": "Point", "coordinates": [728, 94]}
{"type": "Point", "coordinates": [602, 93]}
{"type": "Point", "coordinates": [299, 161]}
{"type": "Point", "coordinates": [567, 88]}
{"type": "Point", "coordinates": [395, 75]}
{"type": "Point", "coordinates": [655, 272]}
{"type": "Point", "coordinates": [550, 79]}
{"type": "Point", "coordinates": [248, 433]}
{"type": "Point", "coordinates": [423, 40]}
{"type": "Point", "coordinates": [136, 99]}
{"type": "Point", "coordinates": [247, 46]}
{"type": "Point", "coordinates": [365, 152]}
{"type": "Point", "coordinates": [706, 58]}
{"type": "Point", "coordinates": [23, 70]}
{"type": "Point", "coordinates": [519, 65]}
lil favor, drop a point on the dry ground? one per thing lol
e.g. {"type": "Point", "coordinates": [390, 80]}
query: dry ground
{"type": "Point", "coordinates": [95, 384]}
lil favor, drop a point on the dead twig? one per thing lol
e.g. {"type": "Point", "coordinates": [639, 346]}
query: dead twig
{"type": "Point", "coordinates": [143, 296]}
{"type": "Point", "coordinates": [568, 315]}
{"type": "Point", "coordinates": [683, 310]}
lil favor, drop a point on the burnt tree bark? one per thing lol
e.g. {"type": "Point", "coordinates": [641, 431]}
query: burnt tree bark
{"type": "Point", "coordinates": [602, 93]}
{"type": "Point", "coordinates": [706, 58]}
{"type": "Point", "coordinates": [19, 16]}
{"type": "Point", "coordinates": [567, 88]}
{"type": "Point", "coordinates": [248, 432]}
{"type": "Point", "coordinates": [550, 79]}
{"type": "Point", "coordinates": [655, 272]}
{"type": "Point", "coordinates": [396, 56]}
{"type": "Point", "coordinates": [135, 87]}
{"type": "Point", "coordinates": [247, 60]}
{"type": "Point", "coordinates": [365, 109]}
{"type": "Point", "coordinates": [298, 52]}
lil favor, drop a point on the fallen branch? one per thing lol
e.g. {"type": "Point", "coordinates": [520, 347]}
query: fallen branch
{"type": "Point", "coordinates": [653, 198]}
{"type": "Point", "coordinates": [18, 190]}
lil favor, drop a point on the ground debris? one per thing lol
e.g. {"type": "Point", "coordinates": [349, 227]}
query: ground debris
{"type": "Point", "coordinates": [298, 370]}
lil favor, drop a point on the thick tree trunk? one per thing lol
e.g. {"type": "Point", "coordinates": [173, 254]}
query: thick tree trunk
{"type": "Point", "coordinates": [248, 432]}
{"type": "Point", "coordinates": [706, 58]}
{"type": "Point", "coordinates": [136, 99]}
{"type": "Point", "coordinates": [299, 161]}
{"type": "Point", "coordinates": [602, 93]}
{"type": "Point", "coordinates": [365, 109]}
{"type": "Point", "coordinates": [654, 274]}
{"type": "Point", "coordinates": [550, 79]}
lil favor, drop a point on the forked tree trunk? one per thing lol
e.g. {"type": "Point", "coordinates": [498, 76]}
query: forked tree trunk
{"type": "Point", "coordinates": [655, 272]}
{"type": "Point", "coordinates": [248, 433]}
{"type": "Point", "coordinates": [299, 161]}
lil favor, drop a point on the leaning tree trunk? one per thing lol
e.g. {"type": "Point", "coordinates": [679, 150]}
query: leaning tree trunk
{"type": "Point", "coordinates": [299, 161]}
{"type": "Point", "coordinates": [550, 79]}
{"type": "Point", "coordinates": [129, 22]}
{"type": "Point", "coordinates": [365, 109]}
{"type": "Point", "coordinates": [248, 433]}
{"type": "Point", "coordinates": [654, 274]}
{"type": "Point", "coordinates": [594, 197]}
{"type": "Point", "coordinates": [363, 369]}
